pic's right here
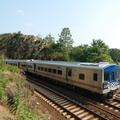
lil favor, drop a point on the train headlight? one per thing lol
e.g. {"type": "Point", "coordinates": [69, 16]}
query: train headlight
{"type": "Point", "coordinates": [106, 85]}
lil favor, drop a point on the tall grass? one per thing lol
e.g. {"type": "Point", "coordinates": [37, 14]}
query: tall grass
{"type": "Point", "coordinates": [8, 67]}
{"type": "Point", "coordinates": [11, 68]}
{"type": "Point", "coordinates": [3, 84]}
{"type": "Point", "coordinates": [1, 92]}
{"type": "Point", "coordinates": [20, 108]}
{"type": "Point", "coordinates": [3, 81]}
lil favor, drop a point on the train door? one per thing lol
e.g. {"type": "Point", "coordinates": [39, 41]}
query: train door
{"type": "Point", "coordinates": [34, 67]}
{"type": "Point", "coordinates": [68, 73]}
{"type": "Point", "coordinates": [19, 64]}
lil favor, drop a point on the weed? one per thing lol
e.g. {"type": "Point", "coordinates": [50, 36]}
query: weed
{"type": "Point", "coordinates": [11, 68]}
{"type": "Point", "coordinates": [20, 108]}
{"type": "Point", "coordinates": [1, 91]}
{"type": "Point", "coordinates": [19, 105]}
{"type": "Point", "coordinates": [12, 78]}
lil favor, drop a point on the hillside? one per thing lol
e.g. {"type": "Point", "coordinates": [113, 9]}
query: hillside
{"type": "Point", "coordinates": [18, 45]}
{"type": "Point", "coordinates": [17, 97]}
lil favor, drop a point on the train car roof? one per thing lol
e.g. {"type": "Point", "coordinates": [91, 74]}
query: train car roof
{"type": "Point", "coordinates": [15, 60]}
{"type": "Point", "coordinates": [99, 65]}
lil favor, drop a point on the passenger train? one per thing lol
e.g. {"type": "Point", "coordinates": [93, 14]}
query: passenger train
{"type": "Point", "coordinates": [101, 78]}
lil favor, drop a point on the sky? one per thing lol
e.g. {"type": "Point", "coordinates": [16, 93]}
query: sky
{"type": "Point", "coordinates": [86, 19]}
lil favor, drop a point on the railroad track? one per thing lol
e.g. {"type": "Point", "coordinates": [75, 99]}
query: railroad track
{"type": "Point", "coordinates": [68, 108]}
{"type": "Point", "coordinates": [82, 109]}
{"type": "Point", "coordinates": [118, 96]}
{"type": "Point", "coordinates": [114, 103]}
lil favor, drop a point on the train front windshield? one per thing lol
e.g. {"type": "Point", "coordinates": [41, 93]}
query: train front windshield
{"type": "Point", "coordinates": [108, 77]}
{"type": "Point", "coordinates": [112, 75]}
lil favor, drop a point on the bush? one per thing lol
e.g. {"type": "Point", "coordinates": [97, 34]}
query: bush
{"type": "Point", "coordinates": [8, 67]}
{"type": "Point", "coordinates": [19, 104]}
{"type": "Point", "coordinates": [1, 91]}
{"type": "Point", "coordinates": [20, 108]}
{"type": "Point", "coordinates": [3, 84]}
{"type": "Point", "coordinates": [11, 68]}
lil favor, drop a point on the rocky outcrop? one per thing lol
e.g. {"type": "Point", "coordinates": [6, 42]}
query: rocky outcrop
{"type": "Point", "coordinates": [20, 46]}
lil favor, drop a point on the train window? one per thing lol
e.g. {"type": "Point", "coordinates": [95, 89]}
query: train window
{"type": "Point", "coordinates": [54, 71]}
{"type": "Point", "coordinates": [49, 70]}
{"type": "Point", "coordinates": [29, 66]}
{"type": "Point", "coordinates": [23, 65]}
{"type": "Point", "coordinates": [69, 72]}
{"type": "Point", "coordinates": [38, 68]}
{"type": "Point", "coordinates": [106, 76]}
{"type": "Point", "coordinates": [112, 76]}
{"type": "Point", "coordinates": [95, 77]}
{"type": "Point", "coordinates": [45, 69]}
{"type": "Point", "coordinates": [41, 68]}
{"type": "Point", "coordinates": [60, 72]}
{"type": "Point", "coordinates": [81, 76]}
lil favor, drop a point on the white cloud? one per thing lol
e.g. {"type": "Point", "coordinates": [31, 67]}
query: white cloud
{"type": "Point", "coordinates": [20, 11]}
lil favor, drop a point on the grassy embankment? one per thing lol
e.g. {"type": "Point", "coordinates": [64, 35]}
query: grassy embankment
{"type": "Point", "coordinates": [18, 104]}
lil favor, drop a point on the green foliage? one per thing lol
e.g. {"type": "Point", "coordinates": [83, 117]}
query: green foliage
{"type": "Point", "coordinates": [49, 39]}
{"type": "Point", "coordinates": [20, 108]}
{"type": "Point", "coordinates": [1, 91]}
{"type": "Point", "coordinates": [115, 54]}
{"type": "Point", "coordinates": [12, 68]}
{"type": "Point", "coordinates": [18, 45]}
{"type": "Point", "coordinates": [76, 53]}
{"type": "Point", "coordinates": [65, 41]}
{"type": "Point", "coordinates": [51, 50]}
{"type": "Point", "coordinates": [97, 52]}
{"type": "Point", "coordinates": [12, 78]}
{"type": "Point", "coordinates": [8, 67]}
{"type": "Point", "coordinates": [3, 83]}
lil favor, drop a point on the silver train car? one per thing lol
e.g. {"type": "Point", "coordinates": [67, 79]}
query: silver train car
{"type": "Point", "coordinates": [101, 78]}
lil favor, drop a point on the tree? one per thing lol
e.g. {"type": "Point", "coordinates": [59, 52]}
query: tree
{"type": "Point", "coordinates": [65, 41]}
{"type": "Point", "coordinates": [76, 53]}
{"type": "Point", "coordinates": [99, 46]}
{"type": "Point", "coordinates": [49, 39]}
{"type": "Point", "coordinates": [115, 54]}
{"type": "Point", "coordinates": [52, 51]}
{"type": "Point", "coordinates": [97, 52]}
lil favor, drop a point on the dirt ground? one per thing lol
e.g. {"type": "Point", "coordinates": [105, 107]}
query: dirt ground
{"type": "Point", "coordinates": [5, 114]}
{"type": "Point", "coordinates": [36, 104]}
{"type": "Point", "coordinates": [45, 111]}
